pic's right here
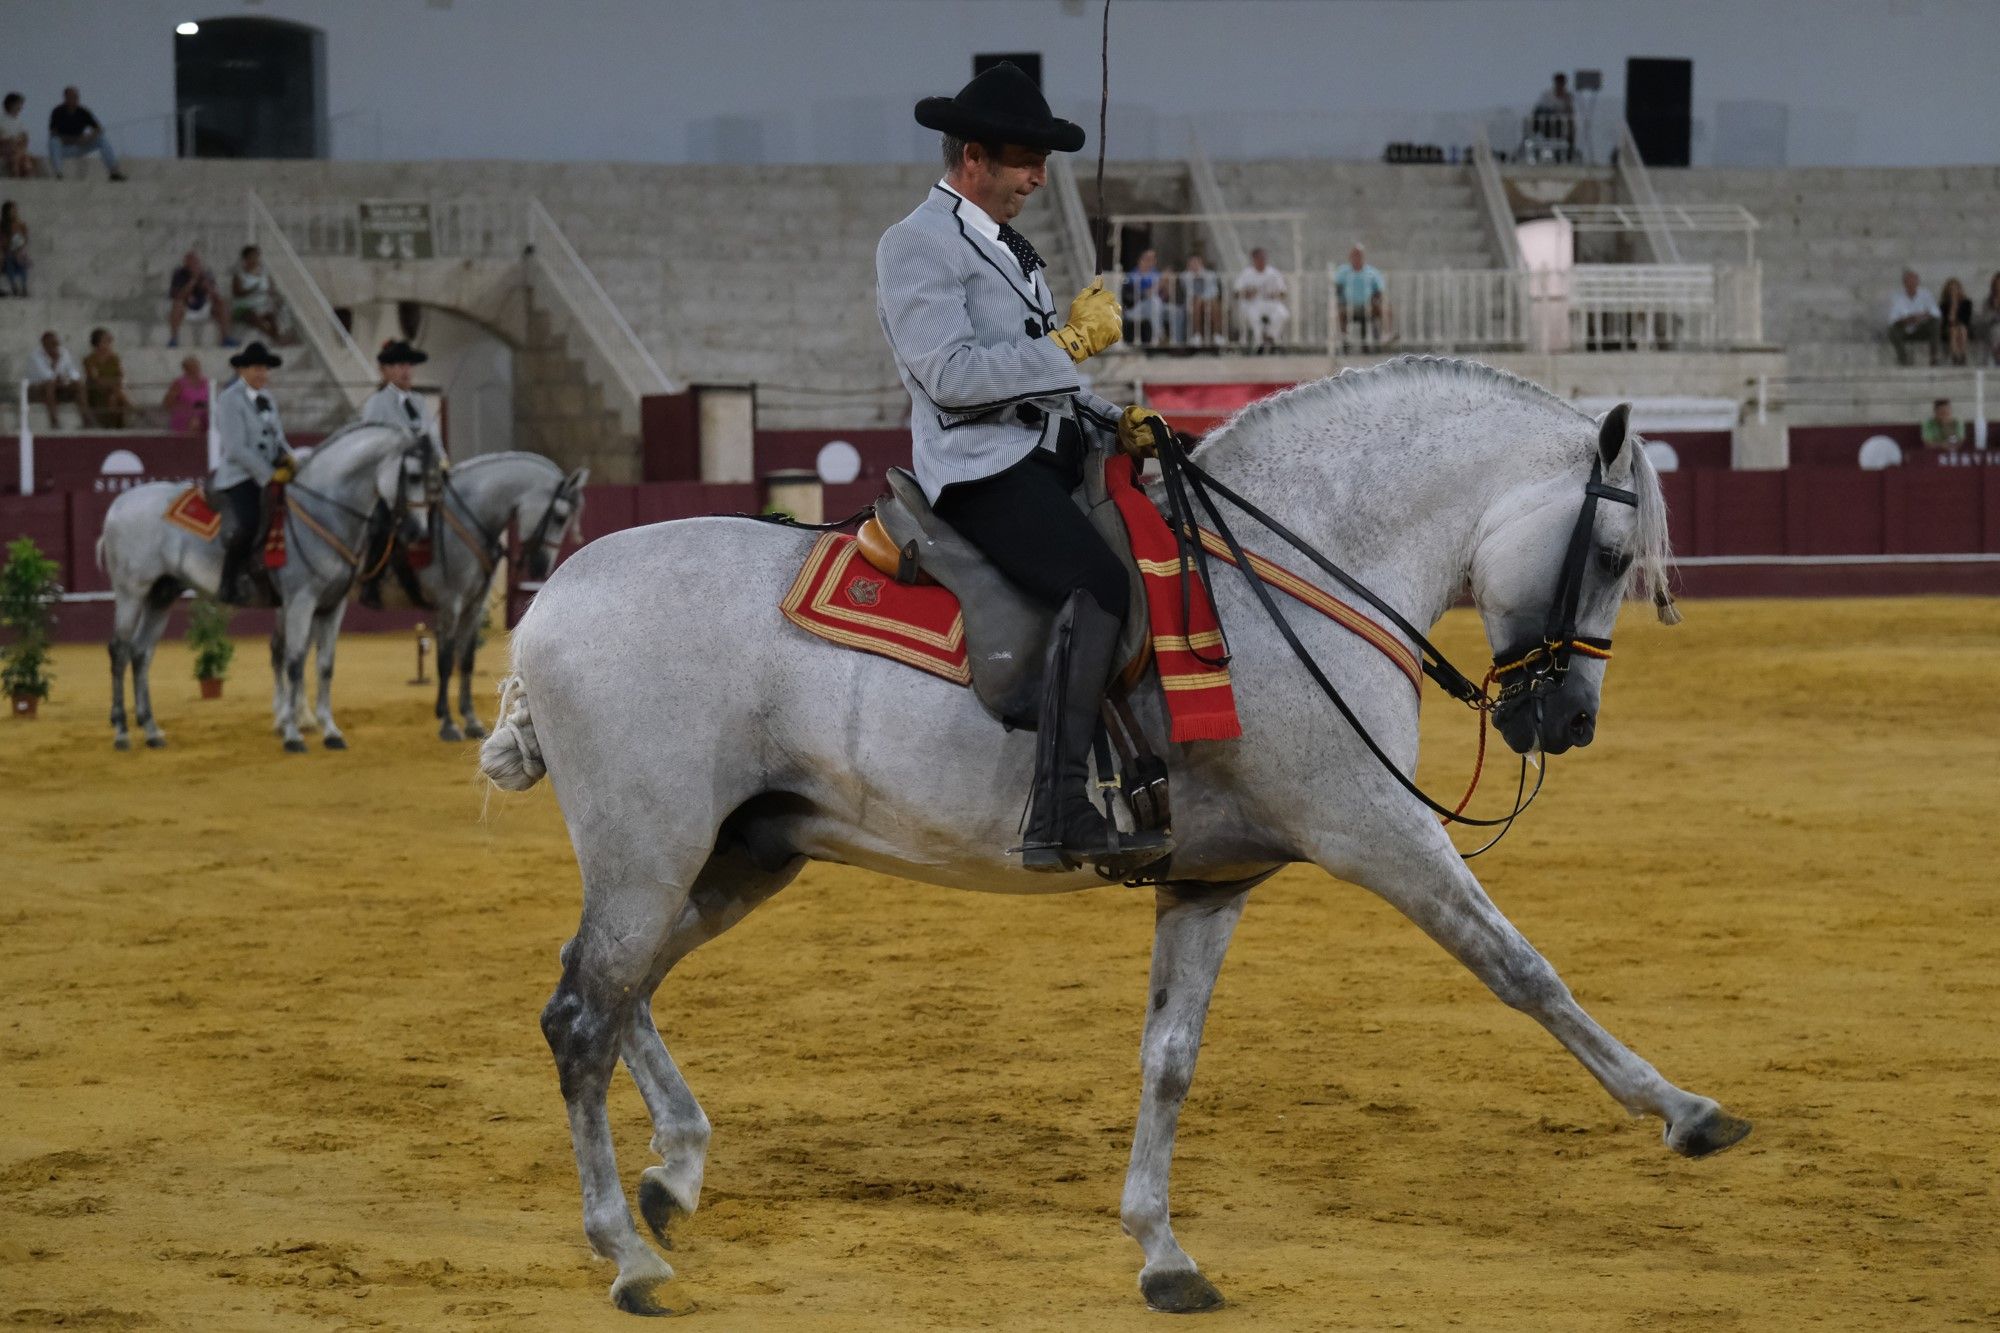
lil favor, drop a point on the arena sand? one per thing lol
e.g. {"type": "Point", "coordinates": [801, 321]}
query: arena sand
{"type": "Point", "coordinates": [271, 1059]}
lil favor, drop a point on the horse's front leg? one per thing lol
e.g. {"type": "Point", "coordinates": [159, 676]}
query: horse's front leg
{"type": "Point", "coordinates": [1431, 885]}
{"type": "Point", "coordinates": [278, 672]}
{"type": "Point", "coordinates": [447, 643]}
{"type": "Point", "coordinates": [296, 619]}
{"type": "Point", "coordinates": [326, 633]}
{"type": "Point", "coordinates": [467, 651]}
{"type": "Point", "coordinates": [1190, 935]}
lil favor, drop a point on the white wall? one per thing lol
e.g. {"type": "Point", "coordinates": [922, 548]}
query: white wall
{"type": "Point", "coordinates": [1837, 82]}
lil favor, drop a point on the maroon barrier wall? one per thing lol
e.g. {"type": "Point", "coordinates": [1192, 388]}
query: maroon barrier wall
{"type": "Point", "coordinates": [78, 462]}
{"type": "Point", "coordinates": [1830, 446]}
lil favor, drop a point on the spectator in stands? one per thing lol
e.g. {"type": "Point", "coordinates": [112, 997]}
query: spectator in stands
{"type": "Point", "coordinates": [14, 262]}
{"type": "Point", "coordinates": [1555, 115]}
{"type": "Point", "coordinates": [1201, 289]}
{"type": "Point", "coordinates": [187, 398]}
{"type": "Point", "coordinates": [104, 382]}
{"type": "Point", "coordinates": [1358, 285]}
{"type": "Point", "coordinates": [16, 157]}
{"type": "Point", "coordinates": [251, 300]}
{"type": "Point", "coordinates": [1260, 300]}
{"type": "Point", "coordinates": [54, 378]}
{"type": "Point", "coordinates": [193, 288]}
{"type": "Point", "coordinates": [1143, 298]}
{"type": "Point", "coordinates": [1986, 321]}
{"type": "Point", "coordinates": [1913, 318]}
{"type": "Point", "coordinates": [1941, 430]}
{"type": "Point", "coordinates": [74, 132]}
{"type": "Point", "coordinates": [1954, 320]}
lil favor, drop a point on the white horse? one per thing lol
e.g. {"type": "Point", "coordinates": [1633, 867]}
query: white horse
{"type": "Point", "coordinates": [151, 560]}
{"type": "Point", "coordinates": [703, 751]}
{"type": "Point", "coordinates": [480, 499]}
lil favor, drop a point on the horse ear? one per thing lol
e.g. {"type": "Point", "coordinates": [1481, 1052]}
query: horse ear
{"type": "Point", "coordinates": [1611, 433]}
{"type": "Point", "coordinates": [576, 480]}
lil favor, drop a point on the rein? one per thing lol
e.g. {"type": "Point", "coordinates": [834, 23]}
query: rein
{"type": "Point", "coordinates": [1536, 668]}
{"type": "Point", "coordinates": [304, 516]}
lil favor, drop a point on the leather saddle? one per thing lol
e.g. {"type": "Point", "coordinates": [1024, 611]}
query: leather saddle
{"type": "Point", "coordinates": [1006, 631]}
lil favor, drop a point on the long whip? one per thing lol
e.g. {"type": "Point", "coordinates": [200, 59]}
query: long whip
{"type": "Point", "coordinates": [1101, 232]}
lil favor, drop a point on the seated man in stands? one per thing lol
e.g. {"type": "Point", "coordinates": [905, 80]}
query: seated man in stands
{"type": "Point", "coordinates": [1942, 430]}
{"type": "Point", "coordinates": [1144, 297]}
{"type": "Point", "coordinates": [1260, 298]}
{"type": "Point", "coordinates": [15, 159]}
{"type": "Point", "coordinates": [193, 287]}
{"type": "Point", "coordinates": [54, 378]}
{"type": "Point", "coordinates": [1359, 288]}
{"type": "Point", "coordinates": [1201, 289]}
{"type": "Point", "coordinates": [74, 132]}
{"type": "Point", "coordinates": [1913, 318]}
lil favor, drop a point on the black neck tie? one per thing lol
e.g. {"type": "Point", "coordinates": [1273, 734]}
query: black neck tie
{"type": "Point", "coordinates": [263, 403]}
{"type": "Point", "coordinates": [1018, 244]}
{"type": "Point", "coordinates": [410, 409]}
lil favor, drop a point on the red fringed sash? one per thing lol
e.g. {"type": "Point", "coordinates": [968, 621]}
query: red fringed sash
{"type": "Point", "coordinates": [1201, 706]}
{"type": "Point", "coordinates": [274, 540]}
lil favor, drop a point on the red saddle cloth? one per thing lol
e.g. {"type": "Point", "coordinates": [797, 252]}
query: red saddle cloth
{"type": "Point", "coordinates": [192, 511]}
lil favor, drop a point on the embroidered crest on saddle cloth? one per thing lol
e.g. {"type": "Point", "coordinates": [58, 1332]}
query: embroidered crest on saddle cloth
{"type": "Point", "coordinates": [839, 597]}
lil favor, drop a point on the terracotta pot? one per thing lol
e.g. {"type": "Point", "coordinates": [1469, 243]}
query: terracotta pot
{"type": "Point", "coordinates": [211, 688]}
{"type": "Point", "coordinates": [25, 704]}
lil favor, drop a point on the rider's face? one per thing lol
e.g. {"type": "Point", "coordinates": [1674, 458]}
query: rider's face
{"type": "Point", "coordinates": [255, 376]}
{"type": "Point", "coordinates": [400, 374]}
{"type": "Point", "coordinates": [1002, 185]}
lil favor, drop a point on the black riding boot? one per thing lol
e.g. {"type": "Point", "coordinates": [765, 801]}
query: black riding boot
{"type": "Point", "coordinates": [375, 556]}
{"type": "Point", "coordinates": [229, 589]}
{"type": "Point", "coordinates": [1065, 828]}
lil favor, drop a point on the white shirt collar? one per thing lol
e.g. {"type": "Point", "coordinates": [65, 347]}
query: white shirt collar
{"type": "Point", "coordinates": [974, 216]}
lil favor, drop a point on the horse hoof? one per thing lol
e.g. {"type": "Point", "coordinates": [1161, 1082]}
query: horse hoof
{"type": "Point", "coordinates": [335, 741]}
{"type": "Point", "coordinates": [448, 732]}
{"type": "Point", "coordinates": [156, 742]}
{"type": "Point", "coordinates": [1710, 1132]}
{"type": "Point", "coordinates": [121, 742]}
{"type": "Point", "coordinates": [1178, 1291]}
{"type": "Point", "coordinates": [648, 1294]}
{"type": "Point", "coordinates": [295, 747]}
{"type": "Point", "coordinates": [659, 1207]}
{"type": "Point", "coordinates": [474, 732]}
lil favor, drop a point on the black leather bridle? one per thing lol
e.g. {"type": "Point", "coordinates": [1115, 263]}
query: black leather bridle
{"type": "Point", "coordinates": [1534, 668]}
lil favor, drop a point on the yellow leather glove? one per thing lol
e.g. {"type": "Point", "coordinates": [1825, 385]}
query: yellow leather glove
{"type": "Point", "coordinates": [283, 472]}
{"type": "Point", "coordinates": [1095, 323]}
{"type": "Point", "coordinates": [1141, 431]}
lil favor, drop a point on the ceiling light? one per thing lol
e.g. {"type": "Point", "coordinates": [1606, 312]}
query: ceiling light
{"type": "Point", "coordinates": [187, 29]}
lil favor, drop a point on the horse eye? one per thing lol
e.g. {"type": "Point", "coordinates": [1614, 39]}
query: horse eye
{"type": "Point", "coordinates": [1613, 563]}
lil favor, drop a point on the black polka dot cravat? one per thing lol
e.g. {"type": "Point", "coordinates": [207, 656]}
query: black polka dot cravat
{"type": "Point", "coordinates": [1018, 244]}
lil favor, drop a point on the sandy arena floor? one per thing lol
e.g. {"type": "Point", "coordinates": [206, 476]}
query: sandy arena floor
{"type": "Point", "coordinates": [269, 1056]}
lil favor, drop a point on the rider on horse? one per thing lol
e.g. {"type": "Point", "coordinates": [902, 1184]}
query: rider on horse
{"type": "Point", "coordinates": [392, 404]}
{"type": "Point", "coordinates": [1001, 424]}
{"type": "Point", "coordinates": [254, 454]}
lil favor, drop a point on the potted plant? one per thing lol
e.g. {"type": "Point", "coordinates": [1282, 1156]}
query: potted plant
{"type": "Point", "coordinates": [208, 635]}
{"type": "Point", "coordinates": [28, 594]}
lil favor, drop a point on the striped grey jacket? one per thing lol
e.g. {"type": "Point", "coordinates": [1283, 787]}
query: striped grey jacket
{"type": "Point", "coordinates": [969, 335]}
{"type": "Point", "coordinates": [253, 439]}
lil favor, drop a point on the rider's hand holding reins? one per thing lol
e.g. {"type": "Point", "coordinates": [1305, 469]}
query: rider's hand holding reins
{"type": "Point", "coordinates": [285, 469]}
{"type": "Point", "coordinates": [1095, 323]}
{"type": "Point", "coordinates": [1141, 431]}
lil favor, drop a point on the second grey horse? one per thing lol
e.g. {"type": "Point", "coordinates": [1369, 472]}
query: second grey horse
{"type": "Point", "coordinates": [480, 500]}
{"type": "Point", "coordinates": [703, 751]}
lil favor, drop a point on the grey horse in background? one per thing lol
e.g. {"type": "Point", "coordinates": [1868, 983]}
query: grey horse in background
{"type": "Point", "coordinates": [480, 498]}
{"type": "Point", "coordinates": [150, 561]}
{"type": "Point", "coordinates": [703, 751]}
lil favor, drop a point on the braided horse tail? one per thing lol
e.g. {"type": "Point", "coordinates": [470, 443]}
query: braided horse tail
{"type": "Point", "coordinates": [511, 758]}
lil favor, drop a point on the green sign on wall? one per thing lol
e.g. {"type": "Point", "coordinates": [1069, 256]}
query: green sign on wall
{"type": "Point", "coordinates": [395, 229]}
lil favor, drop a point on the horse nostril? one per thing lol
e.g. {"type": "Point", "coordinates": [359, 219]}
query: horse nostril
{"type": "Point", "coordinates": [1582, 727]}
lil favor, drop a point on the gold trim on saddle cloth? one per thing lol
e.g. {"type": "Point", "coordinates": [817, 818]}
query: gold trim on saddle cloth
{"type": "Point", "coordinates": [185, 512]}
{"type": "Point", "coordinates": [833, 586]}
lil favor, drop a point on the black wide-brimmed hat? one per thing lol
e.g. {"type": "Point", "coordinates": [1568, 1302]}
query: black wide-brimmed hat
{"type": "Point", "coordinates": [1003, 105]}
{"type": "Point", "coordinates": [396, 352]}
{"type": "Point", "coordinates": [256, 354]}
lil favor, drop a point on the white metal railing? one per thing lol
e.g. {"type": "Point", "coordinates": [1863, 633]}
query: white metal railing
{"type": "Point", "coordinates": [473, 227]}
{"type": "Point", "coordinates": [1224, 241]}
{"type": "Point", "coordinates": [1612, 307]}
{"type": "Point", "coordinates": [1873, 394]}
{"type": "Point", "coordinates": [1638, 184]}
{"type": "Point", "coordinates": [1498, 212]}
{"type": "Point", "coordinates": [1205, 311]}
{"type": "Point", "coordinates": [622, 361]}
{"type": "Point", "coordinates": [1078, 243]}
{"type": "Point", "coordinates": [1447, 310]}
{"type": "Point", "coordinates": [311, 312]}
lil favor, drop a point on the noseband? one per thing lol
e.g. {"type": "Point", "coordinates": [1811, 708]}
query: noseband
{"type": "Point", "coordinates": [1531, 668]}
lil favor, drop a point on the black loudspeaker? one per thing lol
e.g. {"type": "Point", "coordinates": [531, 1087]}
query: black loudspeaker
{"type": "Point", "coordinates": [1659, 106]}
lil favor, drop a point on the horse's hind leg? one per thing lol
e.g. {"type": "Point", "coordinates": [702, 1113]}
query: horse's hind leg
{"type": "Point", "coordinates": [152, 624]}
{"type": "Point", "coordinates": [633, 894]}
{"type": "Point", "coordinates": [1437, 892]}
{"type": "Point", "coordinates": [1190, 935]}
{"type": "Point", "coordinates": [121, 654]}
{"type": "Point", "coordinates": [730, 886]}
{"type": "Point", "coordinates": [278, 673]}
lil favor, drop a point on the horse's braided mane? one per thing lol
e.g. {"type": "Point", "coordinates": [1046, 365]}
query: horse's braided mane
{"type": "Point", "coordinates": [1652, 555]}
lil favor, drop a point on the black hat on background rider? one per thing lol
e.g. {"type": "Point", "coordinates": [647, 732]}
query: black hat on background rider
{"type": "Point", "coordinates": [256, 354]}
{"type": "Point", "coordinates": [396, 352]}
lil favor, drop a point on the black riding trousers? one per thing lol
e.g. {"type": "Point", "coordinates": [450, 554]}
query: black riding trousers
{"type": "Point", "coordinates": [242, 504]}
{"type": "Point", "coordinates": [1024, 521]}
